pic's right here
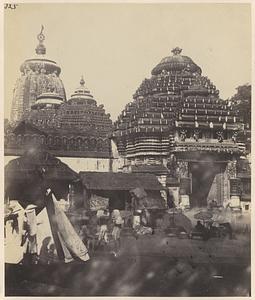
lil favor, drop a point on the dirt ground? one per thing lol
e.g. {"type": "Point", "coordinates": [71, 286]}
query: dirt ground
{"type": "Point", "coordinates": [152, 265]}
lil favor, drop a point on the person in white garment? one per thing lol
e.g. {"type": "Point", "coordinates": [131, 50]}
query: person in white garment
{"type": "Point", "coordinates": [29, 240]}
{"type": "Point", "coordinates": [117, 225]}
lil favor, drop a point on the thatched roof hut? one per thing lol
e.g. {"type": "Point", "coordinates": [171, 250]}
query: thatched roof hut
{"type": "Point", "coordinates": [109, 181]}
{"type": "Point", "coordinates": [117, 187]}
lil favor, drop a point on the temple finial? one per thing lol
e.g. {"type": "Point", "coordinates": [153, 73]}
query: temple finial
{"type": "Point", "coordinates": [176, 51]}
{"type": "Point", "coordinates": [82, 82]}
{"type": "Point", "coordinates": [40, 49]}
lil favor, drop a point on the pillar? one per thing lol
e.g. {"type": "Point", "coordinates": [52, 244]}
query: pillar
{"type": "Point", "coordinates": [234, 184]}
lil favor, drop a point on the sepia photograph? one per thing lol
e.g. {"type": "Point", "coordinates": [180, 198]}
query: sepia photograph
{"type": "Point", "coordinates": [127, 149]}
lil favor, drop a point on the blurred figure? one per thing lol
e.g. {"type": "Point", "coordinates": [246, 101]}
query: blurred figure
{"type": "Point", "coordinates": [203, 230]}
{"type": "Point", "coordinates": [44, 251]}
{"type": "Point", "coordinates": [88, 237]}
{"type": "Point", "coordinates": [213, 204]}
{"type": "Point", "coordinates": [170, 200]}
{"type": "Point", "coordinates": [29, 239]}
{"type": "Point", "coordinates": [103, 222]}
{"type": "Point", "coordinates": [199, 227]}
{"type": "Point", "coordinates": [117, 222]}
{"type": "Point", "coordinates": [137, 218]}
{"type": "Point", "coordinates": [228, 229]}
{"type": "Point", "coordinates": [52, 254]}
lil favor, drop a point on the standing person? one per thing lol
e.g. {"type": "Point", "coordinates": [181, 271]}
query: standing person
{"type": "Point", "coordinates": [51, 254]}
{"type": "Point", "coordinates": [87, 236]}
{"type": "Point", "coordinates": [102, 222]}
{"type": "Point", "coordinates": [44, 251]}
{"type": "Point", "coordinates": [29, 240]}
{"type": "Point", "coordinates": [117, 224]}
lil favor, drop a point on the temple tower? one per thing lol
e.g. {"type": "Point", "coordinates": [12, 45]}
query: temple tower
{"type": "Point", "coordinates": [38, 75]}
{"type": "Point", "coordinates": [82, 113]}
{"type": "Point", "coordinates": [178, 128]}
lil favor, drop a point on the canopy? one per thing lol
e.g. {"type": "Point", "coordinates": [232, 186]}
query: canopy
{"type": "Point", "coordinates": [203, 215]}
{"type": "Point", "coordinates": [27, 177]}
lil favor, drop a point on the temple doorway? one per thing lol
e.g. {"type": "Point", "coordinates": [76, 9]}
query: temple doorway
{"type": "Point", "coordinates": [207, 183]}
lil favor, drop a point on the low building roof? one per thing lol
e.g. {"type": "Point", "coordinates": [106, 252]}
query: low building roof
{"type": "Point", "coordinates": [119, 181]}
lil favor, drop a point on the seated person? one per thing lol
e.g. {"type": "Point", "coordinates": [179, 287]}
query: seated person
{"type": "Point", "coordinates": [199, 227]}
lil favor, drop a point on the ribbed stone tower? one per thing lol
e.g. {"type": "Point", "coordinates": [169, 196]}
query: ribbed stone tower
{"type": "Point", "coordinates": [178, 122]}
{"type": "Point", "coordinates": [38, 75]}
{"type": "Point", "coordinates": [81, 112]}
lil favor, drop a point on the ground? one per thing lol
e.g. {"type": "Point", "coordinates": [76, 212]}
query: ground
{"type": "Point", "coordinates": [152, 265]}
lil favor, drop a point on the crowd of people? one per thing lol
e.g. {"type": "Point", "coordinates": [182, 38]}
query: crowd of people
{"type": "Point", "coordinates": [101, 229]}
{"type": "Point", "coordinates": [208, 230]}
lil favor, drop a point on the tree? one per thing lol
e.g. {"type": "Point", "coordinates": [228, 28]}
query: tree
{"type": "Point", "coordinates": [7, 126]}
{"type": "Point", "coordinates": [242, 103]}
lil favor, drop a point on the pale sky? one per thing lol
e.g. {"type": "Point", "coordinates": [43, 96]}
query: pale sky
{"type": "Point", "coordinates": [115, 46]}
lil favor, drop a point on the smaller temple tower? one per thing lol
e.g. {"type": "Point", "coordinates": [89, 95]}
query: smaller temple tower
{"type": "Point", "coordinates": [77, 130]}
{"type": "Point", "coordinates": [82, 113]}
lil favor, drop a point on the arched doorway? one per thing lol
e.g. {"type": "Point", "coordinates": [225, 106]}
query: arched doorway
{"type": "Point", "coordinates": [207, 182]}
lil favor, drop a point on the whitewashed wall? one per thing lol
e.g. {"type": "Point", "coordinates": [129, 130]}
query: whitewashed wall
{"type": "Point", "coordinates": [78, 164]}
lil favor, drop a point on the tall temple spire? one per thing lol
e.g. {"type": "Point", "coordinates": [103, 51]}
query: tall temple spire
{"type": "Point", "coordinates": [40, 49]}
{"type": "Point", "coordinates": [38, 75]}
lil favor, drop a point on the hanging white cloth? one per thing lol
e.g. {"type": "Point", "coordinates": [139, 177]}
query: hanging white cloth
{"type": "Point", "coordinates": [12, 243]}
{"type": "Point", "coordinates": [69, 239]}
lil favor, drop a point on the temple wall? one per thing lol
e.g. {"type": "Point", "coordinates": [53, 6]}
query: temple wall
{"type": "Point", "coordinates": [79, 164]}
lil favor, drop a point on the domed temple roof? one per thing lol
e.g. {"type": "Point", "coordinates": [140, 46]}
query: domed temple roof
{"type": "Point", "coordinates": [77, 127]}
{"type": "Point", "coordinates": [82, 93]}
{"type": "Point", "coordinates": [174, 98]}
{"type": "Point", "coordinates": [81, 111]}
{"type": "Point", "coordinates": [38, 75]}
{"type": "Point", "coordinates": [176, 62]}
{"type": "Point", "coordinates": [80, 114]}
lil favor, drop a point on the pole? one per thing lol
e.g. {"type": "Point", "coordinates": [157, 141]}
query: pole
{"type": "Point", "coordinates": [53, 226]}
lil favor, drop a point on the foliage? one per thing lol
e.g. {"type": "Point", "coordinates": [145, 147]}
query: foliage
{"type": "Point", "coordinates": [242, 103]}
